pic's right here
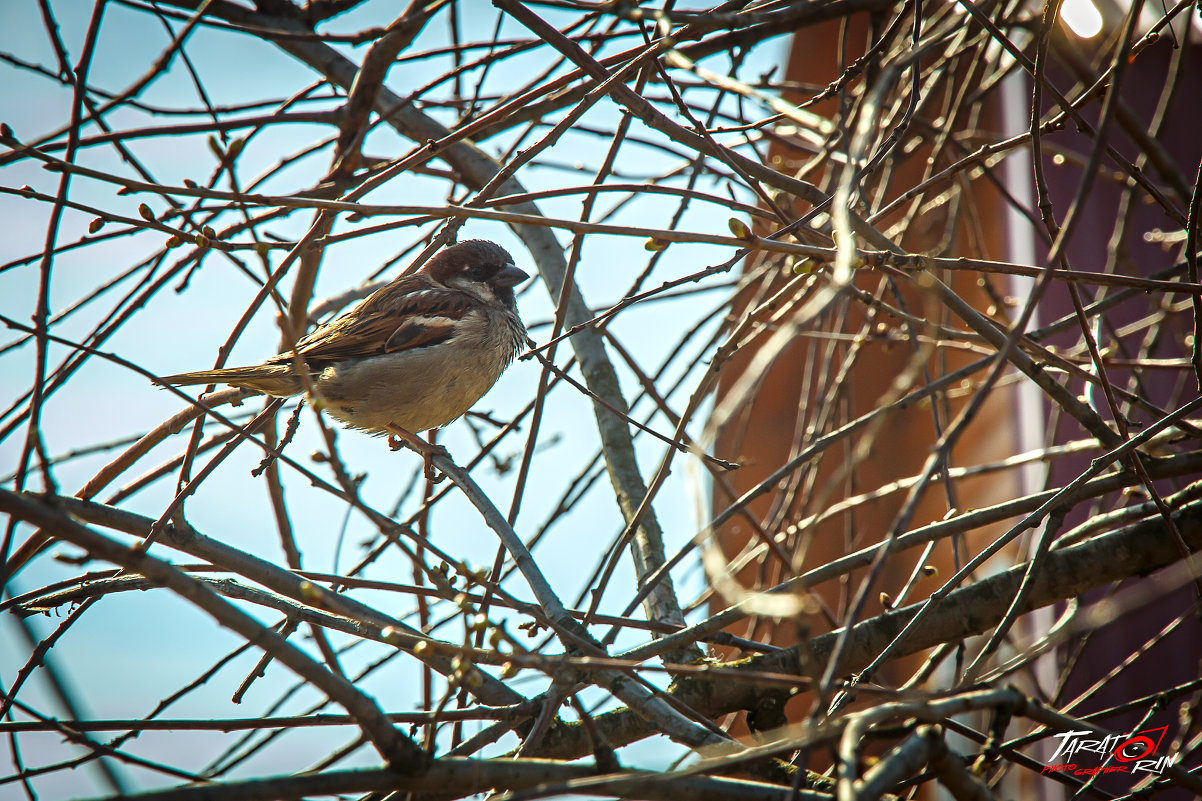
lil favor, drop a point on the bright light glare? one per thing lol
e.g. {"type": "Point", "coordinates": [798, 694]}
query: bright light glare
{"type": "Point", "coordinates": [1082, 17]}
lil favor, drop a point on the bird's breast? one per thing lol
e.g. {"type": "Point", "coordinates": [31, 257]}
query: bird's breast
{"type": "Point", "coordinates": [422, 388]}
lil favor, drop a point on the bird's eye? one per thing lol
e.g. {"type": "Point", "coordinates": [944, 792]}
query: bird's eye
{"type": "Point", "coordinates": [476, 273]}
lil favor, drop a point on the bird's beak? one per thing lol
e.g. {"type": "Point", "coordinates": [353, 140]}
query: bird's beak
{"type": "Point", "coordinates": [509, 276]}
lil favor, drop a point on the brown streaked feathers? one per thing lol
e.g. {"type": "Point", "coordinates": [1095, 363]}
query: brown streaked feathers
{"type": "Point", "coordinates": [414, 355]}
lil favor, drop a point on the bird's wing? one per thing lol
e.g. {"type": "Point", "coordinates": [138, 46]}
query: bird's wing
{"type": "Point", "coordinates": [415, 313]}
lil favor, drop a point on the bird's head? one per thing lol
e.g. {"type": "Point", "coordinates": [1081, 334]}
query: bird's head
{"type": "Point", "coordinates": [480, 268]}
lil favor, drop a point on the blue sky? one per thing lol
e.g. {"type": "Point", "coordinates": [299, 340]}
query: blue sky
{"type": "Point", "coordinates": [134, 649]}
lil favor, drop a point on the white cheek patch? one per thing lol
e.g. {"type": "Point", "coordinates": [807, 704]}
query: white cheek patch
{"type": "Point", "coordinates": [477, 289]}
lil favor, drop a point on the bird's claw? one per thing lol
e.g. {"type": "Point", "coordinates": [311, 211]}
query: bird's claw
{"type": "Point", "coordinates": [399, 439]}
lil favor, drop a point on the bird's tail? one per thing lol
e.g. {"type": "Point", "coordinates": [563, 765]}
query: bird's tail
{"type": "Point", "coordinates": [270, 379]}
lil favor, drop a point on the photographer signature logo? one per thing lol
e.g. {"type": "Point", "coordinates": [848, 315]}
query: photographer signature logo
{"type": "Point", "coordinates": [1082, 753]}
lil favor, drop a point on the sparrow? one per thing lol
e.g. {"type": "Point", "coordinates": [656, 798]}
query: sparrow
{"type": "Point", "coordinates": [412, 356]}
